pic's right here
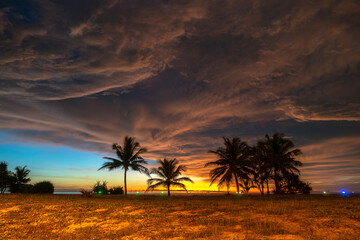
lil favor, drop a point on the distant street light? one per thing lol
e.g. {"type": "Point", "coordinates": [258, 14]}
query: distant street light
{"type": "Point", "coordinates": [344, 193]}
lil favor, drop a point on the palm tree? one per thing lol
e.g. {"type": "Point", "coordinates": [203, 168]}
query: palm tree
{"type": "Point", "coordinates": [21, 174]}
{"type": "Point", "coordinates": [280, 157]}
{"type": "Point", "coordinates": [169, 175]}
{"type": "Point", "coordinates": [129, 158]}
{"type": "Point", "coordinates": [261, 167]}
{"type": "Point", "coordinates": [233, 163]}
{"type": "Point", "coordinates": [19, 178]}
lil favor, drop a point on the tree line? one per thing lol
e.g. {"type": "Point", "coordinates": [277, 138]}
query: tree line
{"type": "Point", "coordinates": [271, 161]}
{"type": "Point", "coordinates": [17, 182]}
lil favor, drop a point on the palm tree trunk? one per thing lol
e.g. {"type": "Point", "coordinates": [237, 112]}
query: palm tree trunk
{"type": "Point", "coordinates": [237, 183]}
{"type": "Point", "coordinates": [125, 182]}
{"type": "Point", "coordinates": [267, 186]}
{"type": "Point", "coordinates": [262, 188]}
{"type": "Point", "coordinates": [276, 181]}
{"type": "Point", "coordinates": [168, 190]}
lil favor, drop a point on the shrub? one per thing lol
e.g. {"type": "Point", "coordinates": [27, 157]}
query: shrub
{"type": "Point", "coordinates": [21, 188]}
{"type": "Point", "coordinates": [26, 188]}
{"type": "Point", "coordinates": [116, 190]}
{"type": "Point", "coordinates": [44, 187]}
{"type": "Point", "coordinates": [306, 188]}
{"type": "Point", "coordinates": [100, 188]}
{"type": "Point", "coordinates": [85, 193]}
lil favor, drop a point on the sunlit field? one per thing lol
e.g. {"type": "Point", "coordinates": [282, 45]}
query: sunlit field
{"type": "Point", "coordinates": [179, 217]}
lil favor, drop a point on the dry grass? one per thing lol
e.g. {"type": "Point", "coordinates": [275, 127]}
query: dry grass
{"type": "Point", "coordinates": [179, 217]}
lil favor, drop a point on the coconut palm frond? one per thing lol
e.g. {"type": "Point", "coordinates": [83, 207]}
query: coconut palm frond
{"type": "Point", "coordinates": [128, 158]}
{"type": "Point", "coordinates": [187, 179]}
{"type": "Point", "coordinates": [156, 185]}
{"type": "Point", "coordinates": [168, 173]}
{"type": "Point", "coordinates": [233, 162]}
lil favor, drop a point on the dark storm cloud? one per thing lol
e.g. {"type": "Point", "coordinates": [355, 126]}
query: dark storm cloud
{"type": "Point", "coordinates": [178, 75]}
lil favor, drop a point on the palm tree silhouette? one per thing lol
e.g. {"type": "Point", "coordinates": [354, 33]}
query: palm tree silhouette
{"type": "Point", "coordinates": [129, 158]}
{"type": "Point", "coordinates": [279, 157]}
{"type": "Point", "coordinates": [19, 178]}
{"type": "Point", "coordinates": [169, 175]}
{"type": "Point", "coordinates": [21, 174]}
{"type": "Point", "coordinates": [261, 167]}
{"type": "Point", "coordinates": [233, 163]}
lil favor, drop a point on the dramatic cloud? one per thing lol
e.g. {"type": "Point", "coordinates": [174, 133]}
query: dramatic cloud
{"type": "Point", "coordinates": [327, 161]}
{"type": "Point", "coordinates": [179, 75]}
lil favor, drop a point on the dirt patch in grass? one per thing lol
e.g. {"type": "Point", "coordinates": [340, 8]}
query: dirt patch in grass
{"type": "Point", "coordinates": [9, 209]}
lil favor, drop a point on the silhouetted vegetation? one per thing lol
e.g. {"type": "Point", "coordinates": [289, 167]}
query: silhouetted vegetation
{"type": "Point", "coordinates": [233, 163]}
{"type": "Point", "coordinates": [19, 179]}
{"type": "Point", "coordinates": [246, 185]}
{"type": "Point", "coordinates": [116, 190]}
{"type": "Point", "coordinates": [25, 188]}
{"type": "Point", "coordinates": [129, 158]}
{"type": "Point", "coordinates": [43, 187]}
{"type": "Point", "coordinates": [279, 157]}
{"type": "Point", "coordinates": [85, 193]}
{"type": "Point", "coordinates": [168, 174]}
{"type": "Point", "coordinates": [17, 182]}
{"type": "Point", "coordinates": [272, 159]}
{"type": "Point", "coordinates": [4, 177]}
{"type": "Point", "coordinates": [100, 187]}
{"type": "Point", "coordinates": [270, 163]}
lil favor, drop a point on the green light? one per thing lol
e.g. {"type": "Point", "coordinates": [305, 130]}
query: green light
{"type": "Point", "coordinates": [162, 193]}
{"type": "Point", "coordinates": [99, 192]}
{"type": "Point", "coordinates": [237, 192]}
{"type": "Point", "coordinates": [137, 193]}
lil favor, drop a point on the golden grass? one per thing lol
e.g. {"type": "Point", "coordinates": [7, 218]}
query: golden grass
{"type": "Point", "coordinates": [179, 217]}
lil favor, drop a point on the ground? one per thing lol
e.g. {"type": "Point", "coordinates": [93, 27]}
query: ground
{"type": "Point", "coordinates": [179, 217]}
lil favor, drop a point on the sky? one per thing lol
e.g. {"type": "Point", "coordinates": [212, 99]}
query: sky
{"type": "Point", "coordinates": [77, 76]}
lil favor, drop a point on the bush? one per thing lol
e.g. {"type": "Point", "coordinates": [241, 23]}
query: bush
{"type": "Point", "coordinates": [85, 193]}
{"type": "Point", "coordinates": [25, 188]}
{"type": "Point", "coordinates": [306, 188]}
{"type": "Point", "coordinates": [21, 188]}
{"type": "Point", "coordinates": [100, 188]}
{"type": "Point", "coordinates": [14, 188]}
{"type": "Point", "coordinates": [116, 190]}
{"type": "Point", "coordinates": [44, 187]}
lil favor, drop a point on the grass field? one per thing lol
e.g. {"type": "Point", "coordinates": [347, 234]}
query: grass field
{"type": "Point", "coordinates": [179, 217]}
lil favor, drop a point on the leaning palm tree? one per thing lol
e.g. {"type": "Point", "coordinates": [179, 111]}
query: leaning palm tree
{"type": "Point", "coordinates": [168, 175]}
{"type": "Point", "coordinates": [129, 158]}
{"type": "Point", "coordinates": [233, 163]}
{"type": "Point", "coordinates": [280, 157]}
